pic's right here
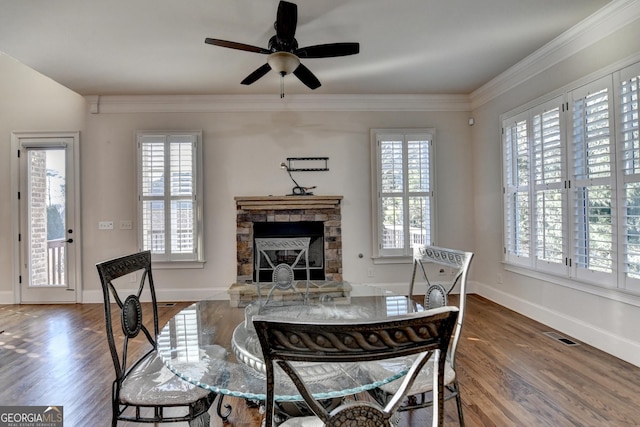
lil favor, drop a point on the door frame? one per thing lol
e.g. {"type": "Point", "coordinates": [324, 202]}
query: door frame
{"type": "Point", "coordinates": [76, 261]}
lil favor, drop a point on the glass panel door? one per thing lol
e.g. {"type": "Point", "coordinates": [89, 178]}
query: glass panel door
{"type": "Point", "coordinates": [47, 240]}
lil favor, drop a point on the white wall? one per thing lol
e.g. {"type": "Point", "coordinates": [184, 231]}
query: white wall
{"type": "Point", "coordinates": [243, 151]}
{"type": "Point", "coordinates": [242, 156]}
{"type": "Point", "coordinates": [603, 322]}
{"type": "Point", "coordinates": [29, 101]}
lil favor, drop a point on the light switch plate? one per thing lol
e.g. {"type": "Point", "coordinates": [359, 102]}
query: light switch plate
{"type": "Point", "coordinates": [105, 225]}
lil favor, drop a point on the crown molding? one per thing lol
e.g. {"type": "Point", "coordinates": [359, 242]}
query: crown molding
{"type": "Point", "coordinates": [249, 103]}
{"type": "Point", "coordinates": [596, 27]}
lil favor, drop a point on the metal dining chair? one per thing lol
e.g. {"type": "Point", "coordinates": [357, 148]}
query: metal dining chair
{"type": "Point", "coordinates": [285, 343]}
{"type": "Point", "coordinates": [144, 390]}
{"type": "Point", "coordinates": [452, 267]}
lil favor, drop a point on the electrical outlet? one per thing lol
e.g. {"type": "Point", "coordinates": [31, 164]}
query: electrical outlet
{"type": "Point", "coordinates": [105, 225]}
{"type": "Point", "coordinates": [133, 278]}
{"type": "Point", "coordinates": [126, 224]}
{"type": "Point", "coordinates": [370, 272]}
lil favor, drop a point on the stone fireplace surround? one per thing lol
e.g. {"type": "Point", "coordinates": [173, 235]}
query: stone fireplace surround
{"type": "Point", "coordinates": [289, 209]}
{"type": "Point", "coordinates": [252, 209]}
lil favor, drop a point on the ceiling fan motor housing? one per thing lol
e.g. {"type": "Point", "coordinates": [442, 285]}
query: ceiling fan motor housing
{"type": "Point", "coordinates": [279, 45]}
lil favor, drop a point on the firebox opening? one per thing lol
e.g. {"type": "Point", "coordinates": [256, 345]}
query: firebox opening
{"type": "Point", "coordinates": [312, 229]}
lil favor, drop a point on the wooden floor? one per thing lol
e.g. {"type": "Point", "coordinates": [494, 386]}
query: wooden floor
{"type": "Point", "coordinates": [510, 373]}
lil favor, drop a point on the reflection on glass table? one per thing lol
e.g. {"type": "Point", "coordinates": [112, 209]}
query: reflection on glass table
{"type": "Point", "coordinates": [214, 346]}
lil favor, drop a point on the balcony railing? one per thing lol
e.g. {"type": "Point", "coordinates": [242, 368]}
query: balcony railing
{"type": "Point", "coordinates": [55, 261]}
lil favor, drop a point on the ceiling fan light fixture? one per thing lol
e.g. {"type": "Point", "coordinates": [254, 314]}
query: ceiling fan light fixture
{"type": "Point", "coordinates": [283, 63]}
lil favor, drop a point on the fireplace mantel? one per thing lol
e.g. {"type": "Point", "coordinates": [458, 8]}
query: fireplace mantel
{"type": "Point", "coordinates": [251, 203]}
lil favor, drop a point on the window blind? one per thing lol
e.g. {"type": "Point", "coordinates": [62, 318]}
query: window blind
{"type": "Point", "coordinates": [548, 188]}
{"type": "Point", "coordinates": [404, 203]}
{"type": "Point", "coordinates": [169, 209]}
{"type": "Point", "coordinates": [517, 177]}
{"type": "Point", "coordinates": [630, 142]}
{"type": "Point", "coordinates": [593, 225]}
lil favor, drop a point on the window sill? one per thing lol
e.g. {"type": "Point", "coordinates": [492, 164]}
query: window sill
{"type": "Point", "coordinates": [392, 260]}
{"type": "Point", "coordinates": [177, 265]}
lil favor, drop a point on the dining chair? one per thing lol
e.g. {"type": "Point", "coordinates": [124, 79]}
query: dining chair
{"type": "Point", "coordinates": [287, 343]}
{"type": "Point", "coordinates": [144, 389]}
{"type": "Point", "coordinates": [452, 268]}
{"type": "Point", "coordinates": [282, 255]}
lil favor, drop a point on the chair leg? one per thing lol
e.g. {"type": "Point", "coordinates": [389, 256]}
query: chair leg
{"type": "Point", "coordinates": [459, 403]}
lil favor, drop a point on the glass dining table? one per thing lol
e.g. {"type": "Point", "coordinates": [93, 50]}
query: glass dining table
{"type": "Point", "coordinates": [214, 346]}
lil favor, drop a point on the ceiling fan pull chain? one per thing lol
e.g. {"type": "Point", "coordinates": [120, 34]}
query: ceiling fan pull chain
{"type": "Point", "coordinates": [281, 86]}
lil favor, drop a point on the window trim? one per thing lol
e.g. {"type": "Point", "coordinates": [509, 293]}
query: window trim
{"type": "Point", "coordinates": [378, 255]}
{"type": "Point", "coordinates": [168, 261]}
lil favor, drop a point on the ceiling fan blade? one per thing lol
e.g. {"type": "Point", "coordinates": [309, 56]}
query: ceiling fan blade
{"type": "Point", "coordinates": [286, 22]}
{"type": "Point", "coordinates": [306, 76]}
{"type": "Point", "coordinates": [234, 45]}
{"type": "Point", "coordinates": [251, 78]}
{"type": "Point", "coordinates": [328, 50]}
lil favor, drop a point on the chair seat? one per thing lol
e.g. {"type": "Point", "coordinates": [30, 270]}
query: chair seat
{"type": "Point", "coordinates": [424, 381]}
{"type": "Point", "coordinates": [151, 383]}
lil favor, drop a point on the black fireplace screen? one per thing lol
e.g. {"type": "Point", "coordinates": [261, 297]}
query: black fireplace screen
{"type": "Point", "coordinates": [312, 229]}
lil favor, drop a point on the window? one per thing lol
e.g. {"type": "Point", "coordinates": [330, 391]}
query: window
{"type": "Point", "coordinates": [169, 195]}
{"type": "Point", "coordinates": [572, 184]}
{"type": "Point", "coordinates": [534, 188]}
{"type": "Point", "coordinates": [629, 173]}
{"type": "Point", "coordinates": [592, 162]}
{"type": "Point", "coordinates": [403, 200]}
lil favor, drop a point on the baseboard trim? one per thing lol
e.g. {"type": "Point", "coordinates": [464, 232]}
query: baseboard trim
{"type": "Point", "coordinates": [601, 339]}
{"type": "Point", "coordinates": [6, 297]}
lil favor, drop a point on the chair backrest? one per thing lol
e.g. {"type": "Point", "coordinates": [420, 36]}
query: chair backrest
{"type": "Point", "coordinates": [129, 306]}
{"type": "Point", "coordinates": [282, 255]}
{"type": "Point", "coordinates": [438, 289]}
{"type": "Point", "coordinates": [424, 333]}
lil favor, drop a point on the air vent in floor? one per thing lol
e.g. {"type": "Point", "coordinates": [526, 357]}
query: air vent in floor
{"type": "Point", "coordinates": [564, 340]}
{"type": "Point", "coordinates": [166, 304]}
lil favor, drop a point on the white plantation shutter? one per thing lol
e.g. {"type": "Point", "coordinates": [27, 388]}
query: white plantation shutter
{"type": "Point", "coordinates": [548, 188]}
{"type": "Point", "coordinates": [152, 170]}
{"type": "Point", "coordinates": [182, 194]}
{"type": "Point", "coordinates": [571, 174]}
{"type": "Point", "coordinates": [629, 93]}
{"type": "Point", "coordinates": [517, 171]}
{"type": "Point", "coordinates": [404, 207]}
{"type": "Point", "coordinates": [593, 183]}
{"type": "Point", "coordinates": [392, 188]}
{"type": "Point", "coordinates": [169, 204]}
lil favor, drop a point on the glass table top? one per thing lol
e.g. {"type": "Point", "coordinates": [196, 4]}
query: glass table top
{"type": "Point", "coordinates": [214, 346]}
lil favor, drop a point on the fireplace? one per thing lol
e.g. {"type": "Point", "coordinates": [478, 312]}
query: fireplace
{"type": "Point", "coordinates": [274, 230]}
{"type": "Point", "coordinates": [317, 217]}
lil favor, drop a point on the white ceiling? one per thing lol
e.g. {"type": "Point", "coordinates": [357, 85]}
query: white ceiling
{"type": "Point", "coordinates": [135, 47]}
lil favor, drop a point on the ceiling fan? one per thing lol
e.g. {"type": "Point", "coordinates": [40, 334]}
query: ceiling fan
{"type": "Point", "coordinates": [284, 53]}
